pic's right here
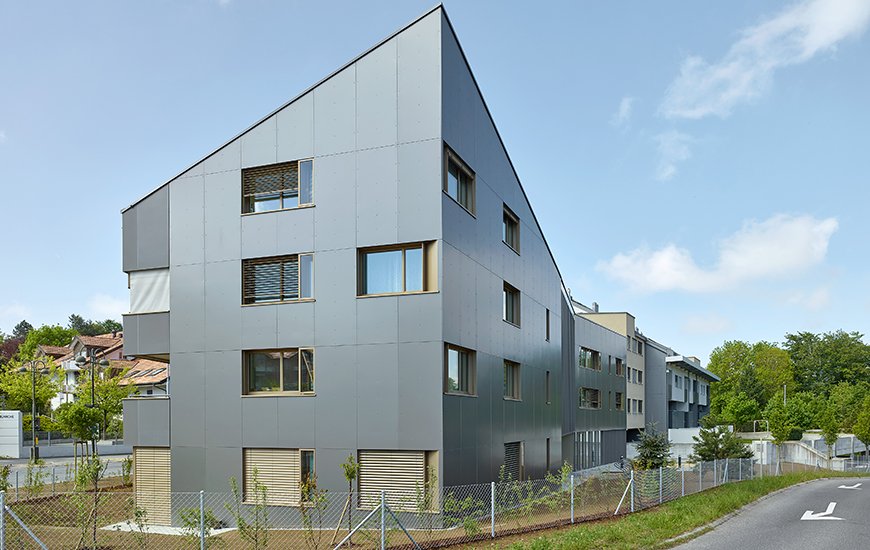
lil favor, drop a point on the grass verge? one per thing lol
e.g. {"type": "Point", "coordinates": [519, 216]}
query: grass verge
{"type": "Point", "coordinates": [653, 528]}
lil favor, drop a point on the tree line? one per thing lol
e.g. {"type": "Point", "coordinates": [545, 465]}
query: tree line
{"type": "Point", "coordinates": [810, 381]}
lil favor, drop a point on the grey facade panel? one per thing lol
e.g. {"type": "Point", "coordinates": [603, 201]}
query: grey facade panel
{"type": "Point", "coordinates": [655, 388]}
{"type": "Point", "coordinates": [145, 231]}
{"type": "Point", "coordinates": [129, 239]}
{"type": "Point", "coordinates": [146, 421]}
{"type": "Point", "coordinates": [146, 334]}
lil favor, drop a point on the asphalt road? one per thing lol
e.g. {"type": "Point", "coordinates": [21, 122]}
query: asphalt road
{"type": "Point", "coordinates": [61, 467]}
{"type": "Point", "coordinates": [775, 522]}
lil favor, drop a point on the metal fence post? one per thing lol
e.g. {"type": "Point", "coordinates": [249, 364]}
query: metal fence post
{"type": "Point", "coordinates": [16, 485]}
{"type": "Point", "coordinates": [201, 520]}
{"type": "Point", "coordinates": [739, 469]}
{"type": "Point", "coordinates": [715, 474]}
{"type": "Point", "coordinates": [631, 482]}
{"type": "Point", "coordinates": [660, 484]}
{"type": "Point", "coordinates": [682, 482]}
{"type": "Point", "coordinates": [53, 478]}
{"type": "Point", "coordinates": [572, 498]}
{"type": "Point", "coordinates": [383, 517]}
{"type": "Point", "coordinates": [2, 520]}
{"type": "Point", "coordinates": [492, 509]}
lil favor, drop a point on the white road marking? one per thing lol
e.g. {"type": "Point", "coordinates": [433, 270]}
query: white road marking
{"type": "Point", "coordinates": [856, 486]}
{"type": "Point", "coordinates": [809, 515]}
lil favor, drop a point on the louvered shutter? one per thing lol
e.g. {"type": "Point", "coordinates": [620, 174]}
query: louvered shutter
{"type": "Point", "coordinates": [513, 460]}
{"type": "Point", "coordinates": [278, 470]}
{"type": "Point", "coordinates": [402, 474]}
{"type": "Point", "coordinates": [270, 279]}
{"type": "Point", "coordinates": [271, 179]}
{"type": "Point", "coordinates": [152, 483]}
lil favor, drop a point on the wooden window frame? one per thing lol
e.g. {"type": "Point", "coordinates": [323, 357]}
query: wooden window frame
{"type": "Point", "coordinates": [472, 371]}
{"type": "Point", "coordinates": [512, 370]}
{"type": "Point", "coordinates": [248, 263]}
{"type": "Point", "coordinates": [450, 156]}
{"type": "Point", "coordinates": [511, 226]}
{"type": "Point", "coordinates": [620, 367]}
{"type": "Point", "coordinates": [429, 252]}
{"type": "Point", "coordinates": [591, 404]}
{"type": "Point", "coordinates": [280, 193]}
{"type": "Point", "coordinates": [595, 357]}
{"type": "Point", "coordinates": [516, 298]}
{"type": "Point", "coordinates": [246, 392]}
{"type": "Point", "coordinates": [619, 401]}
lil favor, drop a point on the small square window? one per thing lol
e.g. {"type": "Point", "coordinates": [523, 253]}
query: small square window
{"type": "Point", "coordinates": [511, 380]}
{"type": "Point", "coordinates": [458, 180]}
{"type": "Point", "coordinates": [511, 229]}
{"type": "Point", "coordinates": [460, 376]}
{"type": "Point", "coordinates": [590, 398]}
{"type": "Point", "coordinates": [285, 371]}
{"type": "Point", "coordinates": [590, 359]}
{"type": "Point", "coordinates": [511, 305]}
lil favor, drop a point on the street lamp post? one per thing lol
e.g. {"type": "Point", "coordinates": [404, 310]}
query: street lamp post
{"type": "Point", "coordinates": [34, 443]}
{"type": "Point", "coordinates": [92, 359]}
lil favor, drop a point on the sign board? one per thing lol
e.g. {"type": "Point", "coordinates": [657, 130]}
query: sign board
{"type": "Point", "coordinates": [11, 434]}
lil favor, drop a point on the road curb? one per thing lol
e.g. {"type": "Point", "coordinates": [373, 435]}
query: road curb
{"type": "Point", "coordinates": [689, 535]}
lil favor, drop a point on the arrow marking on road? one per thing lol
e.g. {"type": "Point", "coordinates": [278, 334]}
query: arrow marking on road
{"type": "Point", "coordinates": [808, 515]}
{"type": "Point", "coordinates": [856, 486]}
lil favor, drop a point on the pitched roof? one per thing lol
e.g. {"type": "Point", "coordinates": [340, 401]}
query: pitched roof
{"type": "Point", "coordinates": [99, 341]}
{"type": "Point", "coordinates": [54, 351]}
{"type": "Point", "coordinates": [142, 372]}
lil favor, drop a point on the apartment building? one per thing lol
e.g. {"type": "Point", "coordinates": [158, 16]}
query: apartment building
{"type": "Point", "coordinates": [359, 273]}
{"type": "Point", "coordinates": [678, 388]}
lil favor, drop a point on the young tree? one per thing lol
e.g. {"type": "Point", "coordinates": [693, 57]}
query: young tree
{"type": "Point", "coordinates": [830, 428]}
{"type": "Point", "coordinates": [18, 389]}
{"type": "Point", "coordinates": [861, 429]}
{"type": "Point", "coordinates": [50, 335]}
{"type": "Point", "coordinates": [109, 395]}
{"type": "Point", "coordinates": [653, 449]}
{"type": "Point", "coordinates": [779, 422]}
{"type": "Point", "coordinates": [717, 442]}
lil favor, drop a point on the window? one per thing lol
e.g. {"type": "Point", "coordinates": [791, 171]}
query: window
{"type": "Point", "coordinates": [511, 233]}
{"type": "Point", "coordinates": [640, 406]}
{"type": "Point", "coordinates": [619, 403]}
{"type": "Point", "coordinates": [459, 181]}
{"type": "Point", "coordinates": [511, 305]}
{"type": "Point", "coordinates": [639, 374]}
{"type": "Point", "coordinates": [400, 475]}
{"type": "Point", "coordinates": [511, 380]}
{"type": "Point", "coordinates": [399, 269]}
{"type": "Point", "coordinates": [278, 279]}
{"type": "Point", "coordinates": [287, 370]}
{"type": "Point", "coordinates": [548, 326]}
{"type": "Point", "coordinates": [277, 186]}
{"type": "Point", "coordinates": [590, 359]}
{"type": "Point", "coordinates": [639, 347]}
{"type": "Point", "coordinates": [280, 471]}
{"type": "Point", "coordinates": [678, 381]}
{"type": "Point", "coordinates": [547, 387]}
{"type": "Point", "coordinates": [306, 469]}
{"type": "Point", "coordinates": [590, 398]}
{"type": "Point", "coordinates": [620, 370]}
{"type": "Point", "coordinates": [459, 371]}
{"type": "Point", "coordinates": [630, 409]}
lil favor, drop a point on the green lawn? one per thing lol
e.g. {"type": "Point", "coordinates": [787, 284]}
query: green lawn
{"type": "Point", "coordinates": [651, 528]}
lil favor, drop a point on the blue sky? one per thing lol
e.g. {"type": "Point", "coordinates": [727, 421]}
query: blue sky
{"type": "Point", "coordinates": [701, 165]}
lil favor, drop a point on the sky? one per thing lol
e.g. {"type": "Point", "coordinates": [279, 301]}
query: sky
{"type": "Point", "coordinates": [701, 165]}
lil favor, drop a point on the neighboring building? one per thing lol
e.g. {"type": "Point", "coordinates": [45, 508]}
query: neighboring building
{"type": "Point", "coordinates": [103, 346]}
{"type": "Point", "coordinates": [149, 378]}
{"type": "Point", "coordinates": [678, 388]}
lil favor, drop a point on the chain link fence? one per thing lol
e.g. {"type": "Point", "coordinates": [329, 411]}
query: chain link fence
{"type": "Point", "coordinates": [114, 518]}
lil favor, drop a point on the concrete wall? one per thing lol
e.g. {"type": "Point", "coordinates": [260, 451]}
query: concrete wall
{"type": "Point", "coordinates": [476, 263]}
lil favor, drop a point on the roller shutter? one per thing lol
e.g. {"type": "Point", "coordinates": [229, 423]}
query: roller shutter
{"type": "Point", "coordinates": [401, 474]}
{"type": "Point", "coordinates": [513, 460]}
{"type": "Point", "coordinates": [278, 470]}
{"type": "Point", "coordinates": [152, 483]}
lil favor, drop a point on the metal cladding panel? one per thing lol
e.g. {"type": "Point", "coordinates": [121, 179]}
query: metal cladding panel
{"type": "Point", "coordinates": [336, 400]}
{"type": "Point", "coordinates": [376, 96]}
{"type": "Point", "coordinates": [378, 320]}
{"type": "Point", "coordinates": [129, 239]}
{"type": "Point", "coordinates": [152, 483]}
{"type": "Point", "coordinates": [146, 334]}
{"type": "Point", "coordinates": [259, 421]}
{"type": "Point", "coordinates": [259, 145]}
{"type": "Point", "coordinates": [655, 388]}
{"type": "Point", "coordinates": [187, 312]}
{"type": "Point", "coordinates": [186, 222]}
{"type": "Point", "coordinates": [228, 157]}
{"type": "Point", "coordinates": [188, 470]}
{"type": "Point", "coordinates": [222, 463]}
{"type": "Point", "coordinates": [148, 421]}
{"type": "Point", "coordinates": [223, 320]}
{"type": "Point", "coordinates": [335, 114]}
{"type": "Point", "coordinates": [259, 235]}
{"type": "Point", "coordinates": [295, 231]}
{"type": "Point", "coordinates": [295, 132]}
{"type": "Point", "coordinates": [188, 399]}
{"type": "Point", "coordinates": [399, 474]}
{"type": "Point", "coordinates": [259, 327]}
{"type": "Point", "coordinates": [335, 318]}
{"type": "Point", "coordinates": [419, 212]}
{"type": "Point", "coordinates": [377, 214]}
{"type": "Point", "coordinates": [419, 422]}
{"type": "Point", "coordinates": [377, 396]}
{"type": "Point", "coordinates": [296, 322]}
{"type": "Point", "coordinates": [222, 222]}
{"type": "Point", "coordinates": [223, 407]}
{"type": "Point", "coordinates": [335, 215]}
{"type": "Point", "coordinates": [419, 80]}
{"type": "Point", "coordinates": [297, 422]}
{"type": "Point", "coordinates": [610, 344]}
{"type": "Point", "coordinates": [152, 230]}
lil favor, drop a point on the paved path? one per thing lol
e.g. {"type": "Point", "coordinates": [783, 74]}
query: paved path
{"type": "Point", "coordinates": [775, 522]}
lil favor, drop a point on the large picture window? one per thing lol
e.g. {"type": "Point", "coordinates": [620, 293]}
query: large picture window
{"type": "Point", "coordinates": [458, 180]}
{"type": "Point", "coordinates": [279, 371]}
{"type": "Point", "coordinates": [398, 269]}
{"type": "Point", "coordinates": [277, 186]}
{"type": "Point", "coordinates": [459, 371]}
{"type": "Point", "coordinates": [278, 279]}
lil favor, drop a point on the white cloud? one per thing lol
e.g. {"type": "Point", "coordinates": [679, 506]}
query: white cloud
{"type": "Point", "coordinates": [777, 247]}
{"type": "Point", "coordinates": [813, 300]}
{"type": "Point", "coordinates": [795, 35]}
{"type": "Point", "coordinates": [103, 306]}
{"type": "Point", "coordinates": [3, 137]}
{"type": "Point", "coordinates": [706, 324]}
{"type": "Point", "coordinates": [673, 148]}
{"type": "Point", "coordinates": [623, 112]}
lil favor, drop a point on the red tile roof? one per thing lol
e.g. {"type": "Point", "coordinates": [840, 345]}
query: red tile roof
{"type": "Point", "coordinates": [54, 351]}
{"type": "Point", "coordinates": [142, 372]}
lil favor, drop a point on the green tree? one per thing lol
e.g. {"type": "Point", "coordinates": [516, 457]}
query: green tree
{"type": "Point", "coordinates": [861, 429]}
{"type": "Point", "coordinates": [79, 421]}
{"type": "Point", "coordinates": [717, 442]}
{"type": "Point", "coordinates": [109, 395]}
{"type": "Point", "coordinates": [773, 369]}
{"type": "Point", "coordinates": [47, 335]}
{"type": "Point", "coordinates": [88, 327]}
{"type": "Point", "coordinates": [803, 409]}
{"type": "Point", "coordinates": [779, 423]}
{"type": "Point", "coordinates": [653, 449]}
{"type": "Point", "coordinates": [21, 329]}
{"type": "Point", "coordinates": [830, 427]}
{"type": "Point", "coordinates": [821, 361]}
{"type": "Point", "coordinates": [740, 409]}
{"type": "Point", "coordinates": [847, 400]}
{"type": "Point", "coordinates": [18, 389]}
